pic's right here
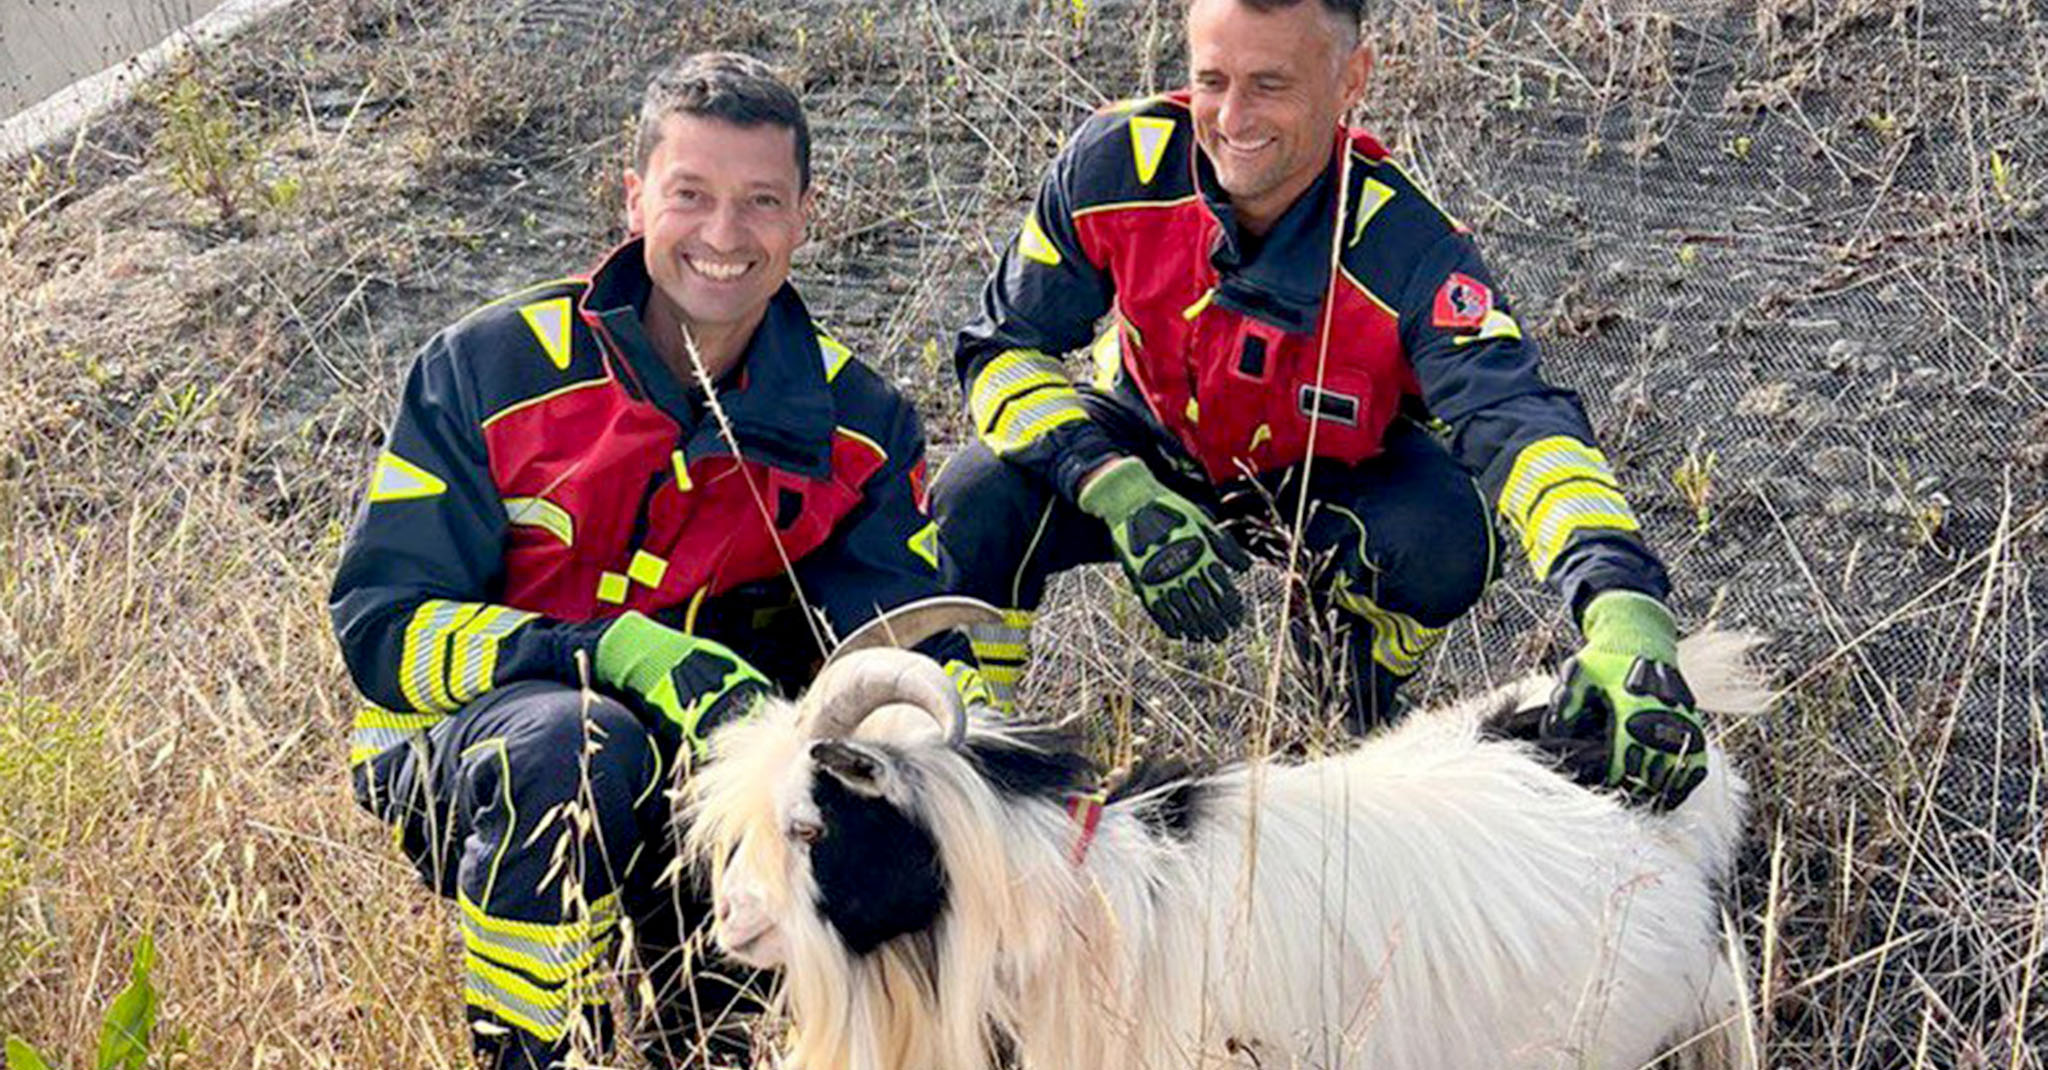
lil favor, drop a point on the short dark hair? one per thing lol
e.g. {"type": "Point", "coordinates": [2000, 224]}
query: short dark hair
{"type": "Point", "coordinates": [728, 86]}
{"type": "Point", "coordinates": [1351, 12]}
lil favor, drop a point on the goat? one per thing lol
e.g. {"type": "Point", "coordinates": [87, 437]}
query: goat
{"type": "Point", "coordinates": [1434, 898]}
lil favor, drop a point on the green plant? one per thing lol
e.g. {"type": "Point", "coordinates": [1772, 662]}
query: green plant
{"type": "Point", "coordinates": [125, 1028]}
{"type": "Point", "coordinates": [178, 408]}
{"type": "Point", "coordinates": [1694, 478]}
{"type": "Point", "coordinates": [38, 186]}
{"type": "Point", "coordinates": [209, 153]}
{"type": "Point", "coordinates": [282, 193]}
{"type": "Point", "coordinates": [2001, 176]}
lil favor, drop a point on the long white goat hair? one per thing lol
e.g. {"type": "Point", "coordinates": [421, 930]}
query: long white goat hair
{"type": "Point", "coordinates": [1432, 899]}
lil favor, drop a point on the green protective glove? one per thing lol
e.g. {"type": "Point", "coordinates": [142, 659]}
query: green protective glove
{"type": "Point", "coordinates": [695, 683]}
{"type": "Point", "coordinates": [1623, 696]}
{"type": "Point", "coordinates": [1182, 565]}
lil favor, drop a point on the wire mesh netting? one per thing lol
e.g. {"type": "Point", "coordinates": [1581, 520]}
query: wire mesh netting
{"type": "Point", "coordinates": [1789, 251]}
{"type": "Point", "coordinates": [1791, 256]}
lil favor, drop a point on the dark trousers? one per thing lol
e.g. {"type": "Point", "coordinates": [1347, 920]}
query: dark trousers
{"type": "Point", "coordinates": [543, 811]}
{"type": "Point", "coordinates": [1399, 546]}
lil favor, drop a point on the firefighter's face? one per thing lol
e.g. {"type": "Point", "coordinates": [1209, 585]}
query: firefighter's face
{"type": "Point", "coordinates": [1270, 88]}
{"type": "Point", "coordinates": [723, 210]}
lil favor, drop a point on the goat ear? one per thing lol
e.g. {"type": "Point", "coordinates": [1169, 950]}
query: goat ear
{"type": "Point", "coordinates": [848, 764]}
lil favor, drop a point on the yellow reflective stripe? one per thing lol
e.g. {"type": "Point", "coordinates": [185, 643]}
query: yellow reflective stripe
{"type": "Point", "coordinates": [835, 356]}
{"type": "Point", "coordinates": [1373, 195]}
{"type": "Point", "coordinates": [1149, 137]}
{"type": "Point", "coordinates": [1108, 357]}
{"type": "Point", "coordinates": [1366, 291]}
{"type": "Point", "coordinates": [549, 320]}
{"type": "Point", "coordinates": [1019, 396]}
{"type": "Point", "coordinates": [552, 953]}
{"type": "Point", "coordinates": [1399, 641]}
{"type": "Point", "coordinates": [1009, 374]}
{"type": "Point", "coordinates": [575, 282]}
{"type": "Point", "coordinates": [925, 544]}
{"type": "Point", "coordinates": [543, 514]}
{"type": "Point", "coordinates": [423, 654]}
{"type": "Point", "coordinates": [450, 652]}
{"type": "Point", "coordinates": [1559, 481]}
{"type": "Point", "coordinates": [508, 410]}
{"type": "Point", "coordinates": [1033, 243]}
{"type": "Point", "coordinates": [1003, 650]}
{"type": "Point", "coordinates": [1545, 463]}
{"type": "Point", "coordinates": [474, 651]}
{"type": "Point", "coordinates": [377, 730]}
{"type": "Point", "coordinates": [1498, 324]}
{"type": "Point", "coordinates": [864, 440]}
{"type": "Point", "coordinates": [1023, 424]}
{"type": "Point", "coordinates": [1567, 512]}
{"type": "Point", "coordinates": [545, 1013]}
{"type": "Point", "coordinates": [1120, 206]}
{"type": "Point", "coordinates": [1557, 488]}
{"type": "Point", "coordinates": [973, 688]}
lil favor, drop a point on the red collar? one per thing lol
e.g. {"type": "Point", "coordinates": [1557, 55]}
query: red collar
{"type": "Point", "coordinates": [1086, 810]}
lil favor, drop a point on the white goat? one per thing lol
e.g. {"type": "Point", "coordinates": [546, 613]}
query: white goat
{"type": "Point", "coordinates": [1433, 899]}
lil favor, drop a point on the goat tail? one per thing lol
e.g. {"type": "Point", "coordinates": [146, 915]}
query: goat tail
{"type": "Point", "coordinates": [1724, 678]}
{"type": "Point", "coordinates": [1725, 1036]}
{"type": "Point", "coordinates": [1729, 688]}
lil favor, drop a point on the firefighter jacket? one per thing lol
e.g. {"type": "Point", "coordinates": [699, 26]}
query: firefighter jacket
{"type": "Point", "coordinates": [1223, 337]}
{"type": "Point", "coordinates": [547, 472]}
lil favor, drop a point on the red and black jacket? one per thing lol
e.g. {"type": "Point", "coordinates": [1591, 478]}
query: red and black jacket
{"type": "Point", "coordinates": [1222, 336]}
{"type": "Point", "coordinates": [546, 472]}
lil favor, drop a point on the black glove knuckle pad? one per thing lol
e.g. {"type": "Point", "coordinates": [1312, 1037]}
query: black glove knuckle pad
{"type": "Point", "coordinates": [1172, 560]}
{"type": "Point", "coordinates": [1150, 526]}
{"type": "Point", "coordinates": [1667, 732]}
{"type": "Point", "coordinates": [1659, 681]}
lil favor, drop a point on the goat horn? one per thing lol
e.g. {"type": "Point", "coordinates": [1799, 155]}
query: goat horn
{"type": "Point", "coordinates": [864, 681]}
{"type": "Point", "coordinates": [914, 622]}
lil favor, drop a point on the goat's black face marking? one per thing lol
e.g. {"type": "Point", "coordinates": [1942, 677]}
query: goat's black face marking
{"type": "Point", "coordinates": [878, 871]}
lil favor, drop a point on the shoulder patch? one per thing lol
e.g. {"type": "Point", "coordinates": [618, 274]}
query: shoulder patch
{"type": "Point", "coordinates": [1149, 136]}
{"type": "Point", "coordinates": [400, 480]}
{"type": "Point", "coordinates": [1035, 246]}
{"type": "Point", "coordinates": [1463, 303]}
{"type": "Point", "coordinates": [549, 321]}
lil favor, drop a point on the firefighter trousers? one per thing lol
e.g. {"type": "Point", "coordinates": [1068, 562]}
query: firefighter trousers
{"type": "Point", "coordinates": [541, 810]}
{"type": "Point", "coordinates": [1395, 548]}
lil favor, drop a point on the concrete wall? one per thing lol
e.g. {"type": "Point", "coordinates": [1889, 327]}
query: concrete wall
{"type": "Point", "coordinates": [45, 45]}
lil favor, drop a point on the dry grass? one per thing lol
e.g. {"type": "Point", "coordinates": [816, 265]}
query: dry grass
{"type": "Point", "coordinates": [194, 396]}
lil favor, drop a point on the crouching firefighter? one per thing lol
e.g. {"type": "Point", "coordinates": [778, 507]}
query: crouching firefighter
{"type": "Point", "coordinates": [575, 564]}
{"type": "Point", "coordinates": [1277, 288]}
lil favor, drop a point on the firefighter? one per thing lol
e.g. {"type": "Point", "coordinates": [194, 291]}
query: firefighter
{"type": "Point", "coordinates": [1277, 289]}
{"type": "Point", "coordinates": [613, 511]}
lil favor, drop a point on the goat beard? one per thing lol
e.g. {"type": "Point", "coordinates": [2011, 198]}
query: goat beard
{"type": "Point", "coordinates": [878, 1011]}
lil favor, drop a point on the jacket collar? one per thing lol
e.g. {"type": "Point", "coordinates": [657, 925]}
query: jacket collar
{"type": "Point", "coordinates": [776, 396]}
{"type": "Point", "coordinates": [1281, 278]}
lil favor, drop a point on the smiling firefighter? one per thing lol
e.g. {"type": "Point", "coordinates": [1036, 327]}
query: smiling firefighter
{"type": "Point", "coordinates": [1289, 313]}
